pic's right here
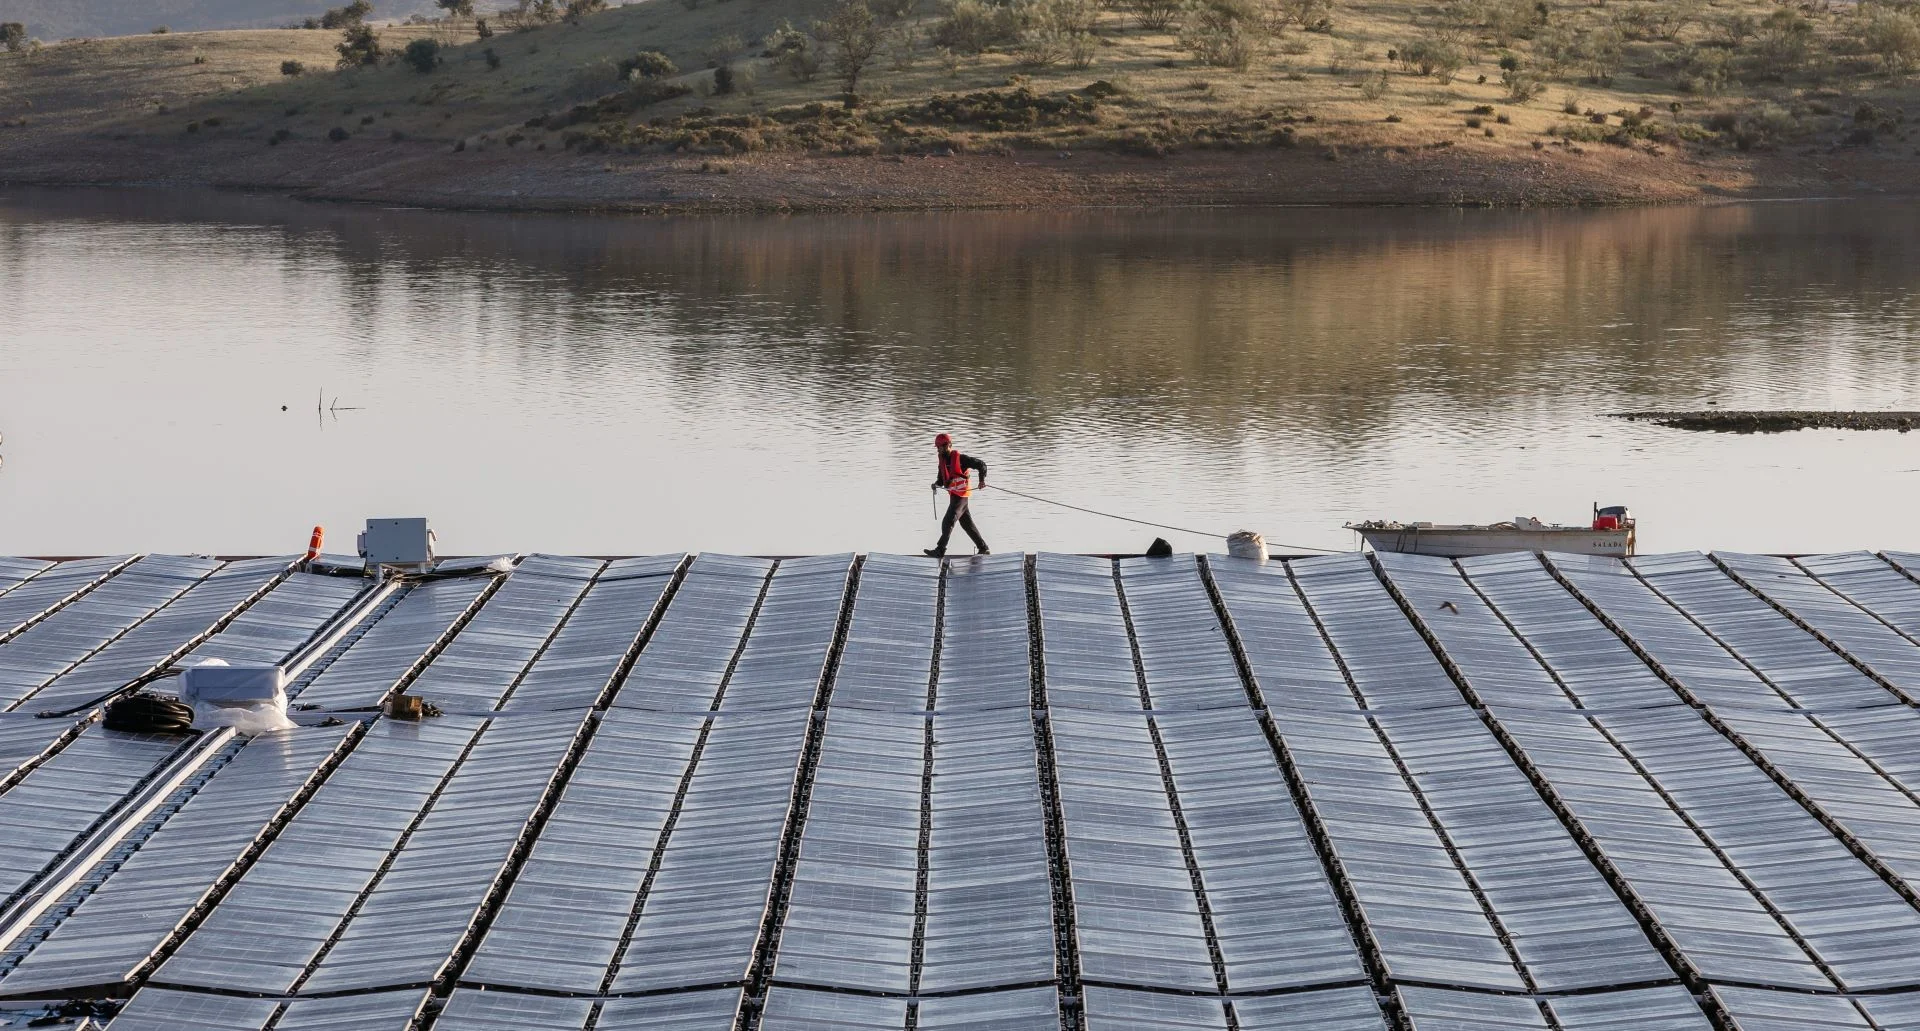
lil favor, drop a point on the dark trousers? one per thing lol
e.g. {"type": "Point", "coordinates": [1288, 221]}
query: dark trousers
{"type": "Point", "coordinates": [957, 511]}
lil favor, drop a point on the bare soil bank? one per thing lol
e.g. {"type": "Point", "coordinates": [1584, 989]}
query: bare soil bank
{"type": "Point", "coordinates": [1356, 172]}
{"type": "Point", "coordinates": [1777, 422]}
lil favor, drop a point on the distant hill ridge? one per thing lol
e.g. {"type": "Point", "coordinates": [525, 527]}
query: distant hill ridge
{"type": "Point", "coordinates": [63, 19]}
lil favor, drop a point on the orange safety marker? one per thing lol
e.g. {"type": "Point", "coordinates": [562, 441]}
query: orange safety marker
{"type": "Point", "coordinates": [313, 543]}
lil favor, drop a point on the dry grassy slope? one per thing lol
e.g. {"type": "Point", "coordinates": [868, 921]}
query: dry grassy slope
{"type": "Point", "coordinates": [64, 19]}
{"type": "Point", "coordinates": [83, 94]}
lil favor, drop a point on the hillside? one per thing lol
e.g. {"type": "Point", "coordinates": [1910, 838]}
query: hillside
{"type": "Point", "coordinates": [67, 19]}
{"type": "Point", "coordinates": [970, 103]}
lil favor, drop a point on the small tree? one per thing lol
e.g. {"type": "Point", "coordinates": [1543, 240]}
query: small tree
{"type": "Point", "coordinates": [292, 68]}
{"type": "Point", "coordinates": [793, 52]}
{"type": "Point", "coordinates": [1782, 44]}
{"type": "Point", "coordinates": [13, 36]}
{"type": "Point", "coordinates": [456, 8]}
{"type": "Point", "coordinates": [346, 17]}
{"type": "Point", "coordinates": [1599, 52]}
{"type": "Point", "coordinates": [422, 54]}
{"type": "Point", "coordinates": [358, 47]}
{"type": "Point", "coordinates": [856, 38]}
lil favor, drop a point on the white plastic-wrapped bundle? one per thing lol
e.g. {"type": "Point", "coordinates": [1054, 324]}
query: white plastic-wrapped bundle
{"type": "Point", "coordinates": [1247, 544]}
{"type": "Point", "coordinates": [250, 699]}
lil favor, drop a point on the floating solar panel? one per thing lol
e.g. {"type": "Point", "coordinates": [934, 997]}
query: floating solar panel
{"type": "Point", "coordinates": [886, 661]}
{"type": "Point", "coordinates": [675, 1011]}
{"type": "Point", "coordinates": [51, 808]}
{"type": "Point", "coordinates": [471, 1010]}
{"type": "Point", "coordinates": [1330, 1009]}
{"type": "Point", "coordinates": [1135, 910]}
{"type": "Point", "coordinates": [701, 918]}
{"type": "Point", "coordinates": [581, 661]}
{"type": "Point", "coordinates": [1119, 1009]}
{"type": "Point", "coordinates": [1386, 659]}
{"type": "Point", "coordinates": [481, 665]}
{"type": "Point", "coordinates": [290, 904]}
{"type": "Point", "coordinates": [1278, 922]}
{"type": "Point", "coordinates": [1704, 667]}
{"type": "Point", "coordinates": [1183, 650]}
{"type": "Point", "coordinates": [1437, 1009]}
{"type": "Point", "coordinates": [989, 905]}
{"type": "Point", "coordinates": [1087, 654]}
{"type": "Point", "coordinates": [1757, 1010]}
{"type": "Point", "coordinates": [785, 656]}
{"type": "Point", "coordinates": [52, 588]}
{"type": "Point", "coordinates": [1859, 634]}
{"type": "Point", "coordinates": [1870, 582]}
{"type": "Point", "coordinates": [1026, 1009]}
{"type": "Point", "coordinates": [1879, 813]}
{"type": "Point", "coordinates": [1848, 916]}
{"type": "Point", "coordinates": [851, 920]}
{"type": "Point", "coordinates": [795, 1009]}
{"type": "Point", "coordinates": [1588, 660]}
{"type": "Point", "coordinates": [1288, 657]}
{"type": "Point", "coordinates": [271, 629]}
{"type": "Point", "coordinates": [159, 1009]}
{"type": "Point", "coordinates": [1565, 923]}
{"type": "Point", "coordinates": [1669, 1008]}
{"type": "Point", "coordinates": [1694, 894]}
{"type": "Point", "coordinates": [114, 929]}
{"type": "Point", "coordinates": [1426, 919]}
{"type": "Point", "coordinates": [1496, 664]}
{"type": "Point", "coordinates": [986, 651]}
{"type": "Point", "coordinates": [1882, 737]}
{"type": "Point", "coordinates": [70, 636]}
{"type": "Point", "coordinates": [562, 924]}
{"type": "Point", "coordinates": [371, 666]}
{"type": "Point", "coordinates": [167, 633]}
{"type": "Point", "coordinates": [26, 739]}
{"type": "Point", "coordinates": [1794, 661]}
{"type": "Point", "coordinates": [686, 660]}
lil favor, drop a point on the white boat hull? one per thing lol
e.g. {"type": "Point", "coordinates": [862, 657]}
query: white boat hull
{"type": "Point", "coordinates": [1461, 542]}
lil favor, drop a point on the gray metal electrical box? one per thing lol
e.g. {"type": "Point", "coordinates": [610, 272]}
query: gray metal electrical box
{"type": "Point", "coordinates": [397, 542]}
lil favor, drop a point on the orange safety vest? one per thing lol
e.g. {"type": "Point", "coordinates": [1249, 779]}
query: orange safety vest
{"type": "Point", "coordinates": [955, 474]}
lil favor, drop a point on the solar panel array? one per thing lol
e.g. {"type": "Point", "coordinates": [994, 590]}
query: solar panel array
{"type": "Point", "coordinates": [1010, 793]}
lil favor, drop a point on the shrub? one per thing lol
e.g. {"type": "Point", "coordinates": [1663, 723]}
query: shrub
{"type": "Point", "coordinates": [1227, 33]}
{"type": "Point", "coordinates": [1434, 53]}
{"type": "Point", "coordinates": [160, 30]}
{"type": "Point", "coordinates": [1157, 15]}
{"type": "Point", "coordinates": [292, 68]}
{"type": "Point", "coordinates": [1782, 44]}
{"type": "Point", "coordinates": [1599, 52]}
{"type": "Point", "coordinates": [578, 9]}
{"type": "Point", "coordinates": [1311, 15]}
{"type": "Point", "coordinates": [199, 59]}
{"type": "Point", "coordinates": [1893, 36]}
{"type": "Point", "coordinates": [1375, 86]}
{"type": "Point", "coordinates": [1474, 123]}
{"type": "Point", "coordinates": [358, 47]}
{"type": "Point", "coordinates": [423, 55]}
{"type": "Point", "coordinates": [1521, 86]}
{"type": "Point", "coordinates": [337, 134]}
{"type": "Point", "coordinates": [346, 17]}
{"type": "Point", "coordinates": [493, 59]}
{"type": "Point", "coordinates": [482, 29]}
{"type": "Point", "coordinates": [13, 36]}
{"type": "Point", "coordinates": [456, 8]}
{"type": "Point", "coordinates": [1051, 31]}
{"type": "Point", "coordinates": [1346, 57]}
{"type": "Point", "coordinates": [793, 52]}
{"type": "Point", "coordinates": [971, 26]}
{"type": "Point", "coordinates": [723, 79]}
{"type": "Point", "coordinates": [646, 65]}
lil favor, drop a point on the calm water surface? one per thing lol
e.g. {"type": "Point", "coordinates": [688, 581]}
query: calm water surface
{"type": "Point", "coordinates": [612, 385]}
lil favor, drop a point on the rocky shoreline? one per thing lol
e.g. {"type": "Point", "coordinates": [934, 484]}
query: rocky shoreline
{"type": "Point", "coordinates": [1775, 422]}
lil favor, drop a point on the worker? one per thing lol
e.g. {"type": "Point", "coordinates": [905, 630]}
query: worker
{"type": "Point", "coordinates": [952, 478]}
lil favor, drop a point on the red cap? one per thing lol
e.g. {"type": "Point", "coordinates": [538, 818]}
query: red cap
{"type": "Point", "coordinates": [943, 441]}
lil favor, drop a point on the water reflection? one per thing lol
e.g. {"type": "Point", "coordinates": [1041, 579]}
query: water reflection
{"type": "Point", "coordinates": [612, 384]}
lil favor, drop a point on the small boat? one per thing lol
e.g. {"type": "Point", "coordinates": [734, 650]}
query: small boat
{"type": "Point", "coordinates": [1610, 534]}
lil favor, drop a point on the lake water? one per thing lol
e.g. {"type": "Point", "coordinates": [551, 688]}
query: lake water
{"type": "Point", "coordinates": [620, 385]}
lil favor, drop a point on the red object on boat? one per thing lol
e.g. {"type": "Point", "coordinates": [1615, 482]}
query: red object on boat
{"type": "Point", "coordinates": [1606, 522]}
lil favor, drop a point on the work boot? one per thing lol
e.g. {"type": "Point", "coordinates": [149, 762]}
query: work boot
{"type": "Point", "coordinates": [984, 550]}
{"type": "Point", "coordinates": [935, 553]}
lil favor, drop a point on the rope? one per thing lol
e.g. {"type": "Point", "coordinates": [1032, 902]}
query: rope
{"type": "Point", "coordinates": [1143, 522]}
{"type": "Point", "coordinates": [149, 714]}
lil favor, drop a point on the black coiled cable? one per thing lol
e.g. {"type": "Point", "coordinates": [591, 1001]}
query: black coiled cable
{"type": "Point", "coordinates": [150, 714]}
